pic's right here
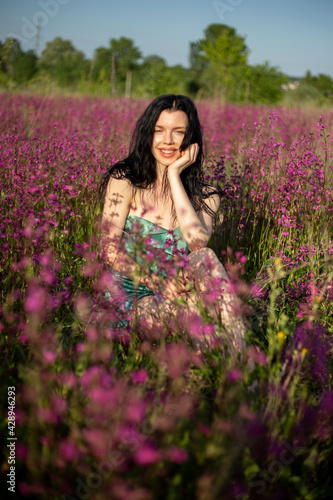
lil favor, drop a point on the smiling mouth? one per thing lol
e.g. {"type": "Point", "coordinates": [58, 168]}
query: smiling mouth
{"type": "Point", "coordinates": [168, 152]}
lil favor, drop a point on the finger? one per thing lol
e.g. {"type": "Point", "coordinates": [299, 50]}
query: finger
{"type": "Point", "coordinates": [193, 155]}
{"type": "Point", "coordinates": [194, 150]}
{"type": "Point", "coordinates": [188, 155]}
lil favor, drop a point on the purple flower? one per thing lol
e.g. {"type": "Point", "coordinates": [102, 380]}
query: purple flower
{"type": "Point", "coordinates": [68, 451]}
{"type": "Point", "coordinates": [235, 375]}
{"type": "Point", "coordinates": [175, 454]}
{"type": "Point", "coordinates": [140, 376]}
{"type": "Point", "coordinates": [36, 300]}
{"type": "Point", "coordinates": [147, 455]}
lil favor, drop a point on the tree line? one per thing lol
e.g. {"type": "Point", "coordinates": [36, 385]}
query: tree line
{"type": "Point", "coordinates": [218, 68]}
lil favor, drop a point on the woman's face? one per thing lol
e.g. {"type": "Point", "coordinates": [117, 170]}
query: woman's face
{"type": "Point", "coordinates": [169, 133]}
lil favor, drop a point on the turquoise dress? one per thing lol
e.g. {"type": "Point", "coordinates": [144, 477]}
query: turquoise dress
{"type": "Point", "coordinates": [136, 230]}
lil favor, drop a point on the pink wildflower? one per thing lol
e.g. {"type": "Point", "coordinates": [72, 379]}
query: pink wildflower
{"type": "Point", "coordinates": [147, 455]}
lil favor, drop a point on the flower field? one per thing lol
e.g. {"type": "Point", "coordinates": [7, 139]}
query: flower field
{"type": "Point", "coordinates": [112, 413]}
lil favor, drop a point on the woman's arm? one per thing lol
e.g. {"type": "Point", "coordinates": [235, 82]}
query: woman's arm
{"type": "Point", "coordinates": [116, 207]}
{"type": "Point", "coordinates": [196, 228]}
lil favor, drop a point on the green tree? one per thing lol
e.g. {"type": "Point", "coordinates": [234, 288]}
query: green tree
{"type": "Point", "coordinates": [20, 66]}
{"type": "Point", "coordinates": [25, 67]}
{"type": "Point", "coordinates": [114, 62]}
{"type": "Point", "coordinates": [126, 55]}
{"type": "Point", "coordinates": [63, 62]}
{"type": "Point", "coordinates": [217, 59]}
{"type": "Point", "coordinates": [154, 78]}
{"type": "Point", "coordinates": [323, 83]}
{"type": "Point", "coordinates": [102, 64]}
{"type": "Point", "coordinates": [263, 84]}
{"type": "Point", "coordinates": [180, 79]}
{"type": "Point", "coordinates": [305, 93]}
{"type": "Point", "coordinates": [10, 52]}
{"type": "Point", "coordinates": [150, 79]}
{"type": "Point", "coordinates": [2, 64]}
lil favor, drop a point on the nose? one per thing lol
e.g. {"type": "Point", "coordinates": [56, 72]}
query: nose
{"type": "Point", "coordinates": [168, 138]}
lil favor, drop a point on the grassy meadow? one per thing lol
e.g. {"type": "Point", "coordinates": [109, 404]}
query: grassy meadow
{"type": "Point", "coordinates": [112, 413]}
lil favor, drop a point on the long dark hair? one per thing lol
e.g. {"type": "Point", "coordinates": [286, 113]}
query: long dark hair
{"type": "Point", "coordinates": [139, 168]}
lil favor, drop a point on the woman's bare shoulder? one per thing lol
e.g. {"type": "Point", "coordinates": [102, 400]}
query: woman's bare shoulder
{"type": "Point", "coordinates": [119, 186]}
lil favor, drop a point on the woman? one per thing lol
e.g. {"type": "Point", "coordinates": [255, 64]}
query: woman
{"type": "Point", "coordinates": [160, 185]}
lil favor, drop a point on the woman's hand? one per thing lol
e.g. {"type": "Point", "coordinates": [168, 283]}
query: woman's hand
{"type": "Point", "coordinates": [172, 286]}
{"type": "Point", "coordinates": [187, 158]}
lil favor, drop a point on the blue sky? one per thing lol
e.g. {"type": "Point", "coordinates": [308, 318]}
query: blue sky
{"type": "Point", "coordinates": [295, 35]}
